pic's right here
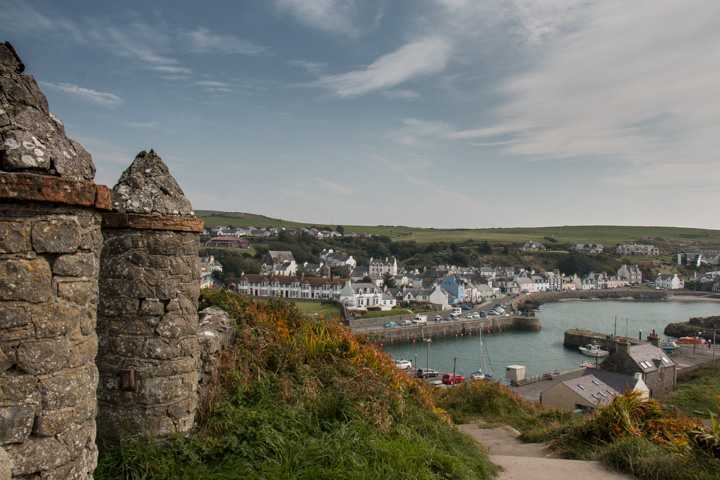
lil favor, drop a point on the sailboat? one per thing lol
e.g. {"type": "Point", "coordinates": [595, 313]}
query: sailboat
{"type": "Point", "coordinates": [478, 375]}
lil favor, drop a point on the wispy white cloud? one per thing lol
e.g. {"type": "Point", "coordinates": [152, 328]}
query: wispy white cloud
{"type": "Point", "coordinates": [415, 130]}
{"type": "Point", "coordinates": [633, 83]}
{"type": "Point", "coordinates": [333, 187]}
{"type": "Point", "coordinates": [203, 40]}
{"type": "Point", "coordinates": [401, 94]}
{"type": "Point", "coordinates": [316, 68]}
{"type": "Point", "coordinates": [413, 60]}
{"type": "Point", "coordinates": [16, 16]}
{"type": "Point", "coordinates": [87, 95]}
{"type": "Point", "coordinates": [172, 70]}
{"type": "Point", "coordinates": [345, 17]}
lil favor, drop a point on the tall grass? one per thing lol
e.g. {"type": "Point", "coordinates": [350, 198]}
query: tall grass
{"type": "Point", "coordinates": [305, 399]}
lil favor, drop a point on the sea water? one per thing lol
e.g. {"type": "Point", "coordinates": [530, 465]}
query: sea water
{"type": "Point", "coordinates": [543, 351]}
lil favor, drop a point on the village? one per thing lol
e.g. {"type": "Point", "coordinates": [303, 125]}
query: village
{"type": "Point", "coordinates": [383, 284]}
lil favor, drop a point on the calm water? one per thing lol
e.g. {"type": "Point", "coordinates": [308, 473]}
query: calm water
{"type": "Point", "coordinates": [543, 350]}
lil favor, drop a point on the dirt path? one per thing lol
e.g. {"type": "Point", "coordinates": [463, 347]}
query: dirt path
{"type": "Point", "coordinates": [529, 461]}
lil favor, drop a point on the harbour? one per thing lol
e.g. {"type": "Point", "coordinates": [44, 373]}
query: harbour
{"type": "Point", "coordinates": [542, 351]}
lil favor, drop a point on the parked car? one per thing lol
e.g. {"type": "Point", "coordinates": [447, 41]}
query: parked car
{"type": "Point", "coordinates": [438, 318]}
{"type": "Point", "coordinates": [469, 316]}
{"type": "Point", "coordinates": [426, 373]}
{"type": "Point", "coordinates": [403, 364]}
{"type": "Point", "coordinates": [390, 324]}
{"type": "Point", "coordinates": [483, 314]}
{"type": "Point", "coordinates": [475, 315]}
{"type": "Point", "coordinates": [405, 322]}
{"type": "Point", "coordinates": [449, 379]}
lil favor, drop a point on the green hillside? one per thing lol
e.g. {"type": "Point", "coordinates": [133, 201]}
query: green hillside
{"type": "Point", "coordinates": [608, 235]}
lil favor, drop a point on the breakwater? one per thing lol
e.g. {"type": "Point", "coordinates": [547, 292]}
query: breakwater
{"type": "Point", "coordinates": [576, 337]}
{"type": "Point", "coordinates": [409, 334]}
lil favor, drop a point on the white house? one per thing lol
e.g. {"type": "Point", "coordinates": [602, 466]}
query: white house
{"type": "Point", "coordinates": [360, 296]}
{"type": "Point", "coordinates": [669, 282]}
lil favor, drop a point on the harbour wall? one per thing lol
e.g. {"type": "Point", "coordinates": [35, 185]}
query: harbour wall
{"type": "Point", "coordinates": [396, 335]}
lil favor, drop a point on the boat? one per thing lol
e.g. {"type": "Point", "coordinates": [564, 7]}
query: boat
{"type": "Point", "coordinates": [479, 375]}
{"type": "Point", "coordinates": [700, 342]}
{"type": "Point", "coordinates": [594, 350]}
{"type": "Point", "coordinates": [669, 346]}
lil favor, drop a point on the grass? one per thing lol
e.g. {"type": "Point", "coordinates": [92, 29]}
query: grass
{"type": "Point", "coordinates": [698, 391]}
{"type": "Point", "coordinates": [640, 438]}
{"type": "Point", "coordinates": [608, 235]}
{"type": "Point", "coordinates": [323, 310]}
{"type": "Point", "coordinates": [303, 398]}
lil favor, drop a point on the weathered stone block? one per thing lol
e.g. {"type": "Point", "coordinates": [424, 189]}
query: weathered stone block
{"type": "Point", "coordinates": [78, 265]}
{"type": "Point", "coordinates": [179, 266]}
{"type": "Point", "coordinates": [156, 390]}
{"type": "Point", "coordinates": [160, 348]}
{"type": "Point", "coordinates": [117, 306]}
{"type": "Point", "coordinates": [80, 293]}
{"type": "Point", "coordinates": [56, 236]}
{"type": "Point", "coordinates": [68, 387]}
{"type": "Point", "coordinates": [23, 332]}
{"type": "Point", "coordinates": [14, 315]}
{"type": "Point", "coordinates": [58, 318]}
{"type": "Point", "coordinates": [88, 321]}
{"type": "Point", "coordinates": [159, 262]}
{"type": "Point", "coordinates": [84, 351]}
{"type": "Point", "coordinates": [25, 280]}
{"type": "Point", "coordinates": [164, 243]}
{"type": "Point", "coordinates": [5, 465]}
{"type": "Point", "coordinates": [92, 240]}
{"type": "Point", "coordinates": [127, 346]}
{"type": "Point", "coordinates": [167, 289]}
{"type": "Point", "coordinates": [176, 326]}
{"type": "Point", "coordinates": [151, 307]}
{"type": "Point", "coordinates": [45, 356]}
{"type": "Point", "coordinates": [16, 423]}
{"type": "Point", "coordinates": [14, 237]}
{"type": "Point", "coordinates": [76, 437]}
{"type": "Point", "coordinates": [19, 389]}
{"type": "Point", "coordinates": [54, 422]}
{"type": "Point", "coordinates": [5, 362]}
{"type": "Point", "coordinates": [183, 408]}
{"type": "Point", "coordinates": [37, 454]}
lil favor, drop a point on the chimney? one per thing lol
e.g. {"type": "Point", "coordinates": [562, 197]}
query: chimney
{"type": "Point", "coordinates": [623, 346]}
{"type": "Point", "coordinates": [654, 339]}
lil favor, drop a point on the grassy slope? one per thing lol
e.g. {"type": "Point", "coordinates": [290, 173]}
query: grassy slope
{"type": "Point", "coordinates": [303, 398]}
{"type": "Point", "coordinates": [608, 235]}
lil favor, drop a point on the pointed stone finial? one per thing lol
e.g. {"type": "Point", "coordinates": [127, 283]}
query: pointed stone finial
{"type": "Point", "coordinates": [147, 187]}
{"type": "Point", "coordinates": [32, 139]}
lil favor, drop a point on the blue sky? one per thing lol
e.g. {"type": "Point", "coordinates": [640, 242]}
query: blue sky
{"type": "Point", "coordinates": [428, 113]}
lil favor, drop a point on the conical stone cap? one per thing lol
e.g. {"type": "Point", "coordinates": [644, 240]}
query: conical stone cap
{"type": "Point", "coordinates": [147, 187]}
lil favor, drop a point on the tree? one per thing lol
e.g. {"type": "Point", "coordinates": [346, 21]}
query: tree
{"type": "Point", "coordinates": [340, 229]}
{"type": "Point", "coordinates": [367, 279]}
{"type": "Point", "coordinates": [339, 271]}
{"type": "Point", "coordinates": [389, 280]}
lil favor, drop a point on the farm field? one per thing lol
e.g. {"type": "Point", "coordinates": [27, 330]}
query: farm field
{"type": "Point", "coordinates": [608, 235]}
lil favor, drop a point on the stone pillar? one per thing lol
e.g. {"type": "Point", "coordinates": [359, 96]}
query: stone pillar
{"type": "Point", "coordinates": [147, 315]}
{"type": "Point", "coordinates": [50, 242]}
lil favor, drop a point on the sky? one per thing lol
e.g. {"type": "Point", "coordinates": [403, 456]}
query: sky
{"type": "Point", "coordinates": [423, 113]}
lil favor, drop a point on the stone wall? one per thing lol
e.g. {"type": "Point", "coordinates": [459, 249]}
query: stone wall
{"type": "Point", "coordinates": [50, 242]}
{"type": "Point", "coordinates": [88, 278]}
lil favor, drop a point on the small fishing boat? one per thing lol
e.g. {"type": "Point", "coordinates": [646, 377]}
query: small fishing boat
{"type": "Point", "coordinates": [669, 346]}
{"type": "Point", "coordinates": [593, 350]}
